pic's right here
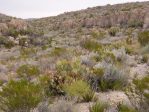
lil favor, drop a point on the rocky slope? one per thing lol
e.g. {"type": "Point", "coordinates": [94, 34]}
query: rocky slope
{"type": "Point", "coordinates": [80, 61]}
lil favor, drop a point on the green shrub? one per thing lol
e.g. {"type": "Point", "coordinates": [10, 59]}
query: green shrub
{"type": "Point", "coordinates": [98, 35]}
{"type": "Point", "coordinates": [113, 79]}
{"type": "Point", "coordinates": [95, 77]}
{"type": "Point", "coordinates": [72, 69]}
{"type": "Point", "coordinates": [26, 52]}
{"type": "Point", "coordinates": [135, 23]}
{"type": "Point", "coordinates": [13, 32]}
{"type": "Point", "coordinates": [52, 84]}
{"type": "Point", "coordinates": [125, 108]}
{"type": "Point", "coordinates": [27, 71]}
{"type": "Point", "coordinates": [20, 96]}
{"type": "Point", "coordinates": [144, 59]}
{"type": "Point", "coordinates": [22, 41]}
{"type": "Point", "coordinates": [98, 107]}
{"type": "Point", "coordinates": [145, 49]}
{"type": "Point", "coordinates": [79, 89]}
{"type": "Point", "coordinates": [143, 38]}
{"type": "Point", "coordinates": [6, 42]}
{"type": "Point", "coordinates": [91, 45]}
{"type": "Point", "coordinates": [3, 40]}
{"type": "Point", "coordinates": [112, 31]}
{"type": "Point", "coordinates": [143, 87]}
{"type": "Point", "coordinates": [58, 51]}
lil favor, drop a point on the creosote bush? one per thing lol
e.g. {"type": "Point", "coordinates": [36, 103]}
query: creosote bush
{"type": "Point", "coordinates": [20, 96]}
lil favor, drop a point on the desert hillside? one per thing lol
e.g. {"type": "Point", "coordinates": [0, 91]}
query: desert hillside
{"type": "Point", "coordinates": [92, 60]}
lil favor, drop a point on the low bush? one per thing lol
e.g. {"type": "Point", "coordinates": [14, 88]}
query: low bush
{"type": "Point", "coordinates": [112, 31]}
{"type": "Point", "coordinates": [27, 71]}
{"type": "Point", "coordinates": [70, 69]}
{"type": "Point", "coordinates": [28, 52]}
{"type": "Point", "coordinates": [125, 108]}
{"type": "Point", "coordinates": [144, 59]}
{"type": "Point", "coordinates": [6, 42]}
{"type": "Point", "coordinates": [91, 45]}
{"type": "Point", "coordinates": [79, 89]}
{"type": "Point", "coordinates": [20, 96]}
{"type": "Point", "coordinates": [58, 51]}
{"type": "Point", "coordinates": [52, 84]}
{"type": "Point", "coordinates": [143, 38]}
{"type": "Point", "coordinates": [142, 87]}
{"type": "Point", "coordinates": [98, 107]}
{"type": "Point", "coordinates": [135, 23]}
{"type": "Point", "coordinates": [95, 78]}
{"type": "Point", "coordinates": [113, 79]}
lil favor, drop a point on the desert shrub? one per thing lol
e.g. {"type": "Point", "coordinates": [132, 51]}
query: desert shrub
{"type": "Point", "coordinates": [99, 34]}
{"type": "Point", "coordinates": [109, 57]}
{"type": "Point", "coordinates": [3, 40]}
{"type": "Point", "coordinates": [57, 51]}
{"type": "Point", "coordinates": [129, 40]}
{"type": "Point", "coordinates": [1, 82]}
{"type": "Point", "coordinates": [22, 41]}
{"type": "Point", "coordinates": [145, 49]}
{"type": "Point", "coordinates": [113, 79]}
{"type": "Point", "coordinates": [12, 32]}
{"type": "Point", "coordinates": [143, 38]}
{"type": "Point", "coordinates": [72, 70]}
{"type": "Point", "coordinates": [27, 71]}
{"type": "Point", "coordinates": [9, 44]}
{"type": "Point", "coordinates": [20, 96]}
{"type": "Point", "coordinates": [52, 84]}
{"type": "Point", "coordinates": [142, 87]}
{"type": "Point", "coordinates": [6, 42]}
{"type": "Point", "coordinates": [129, 50]}
{"type": "Point", "coordinates": [95, 78]}
{"type": "Point", "coordinates": [135, 23]}
{"type": "Point", "coordinates": [91, 45]}
{"type": "Point", "coordinates": [79, 89]}
{"type": "Point", "coordinates": [98, 107]}
{"type": "Point", "coordinates": [28, 52]}
{"type": "Point", "coordinates": [112, 31]}
{"type": "Point", "coordinates": [144, 59]}
{"type": "Point", "coordinates": [125, 108]}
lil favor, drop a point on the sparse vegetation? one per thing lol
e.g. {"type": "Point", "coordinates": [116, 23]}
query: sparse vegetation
{"type": "Point", "coordinates": [101, 53]}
